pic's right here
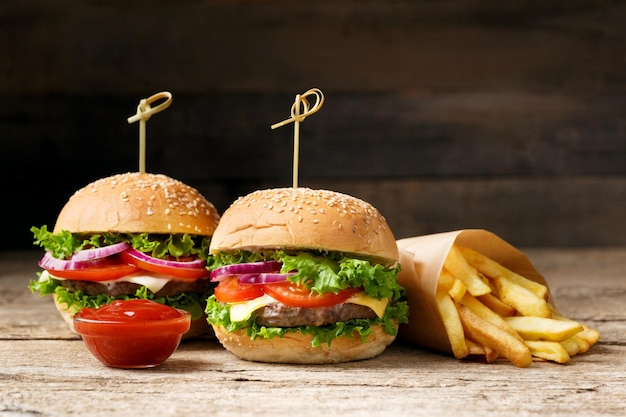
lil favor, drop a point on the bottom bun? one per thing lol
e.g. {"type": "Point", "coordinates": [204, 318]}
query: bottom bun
{"type": "Point", "coordinates": [199, 327]}
{"type": "Point", "coordinates": [296, 347]}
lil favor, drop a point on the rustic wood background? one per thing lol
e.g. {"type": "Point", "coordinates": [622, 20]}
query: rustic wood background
{"type": "Point", "coordinates": [508, 116]}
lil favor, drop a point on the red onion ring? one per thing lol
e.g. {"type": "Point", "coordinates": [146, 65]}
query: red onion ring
{"type": "Point", "coordinates": [96, 253]}
{"type": "Point", "coordinates": [219, 274]}
{"type": "Point", "coordinates": [50, 262]}
{"type": "Point", "coordinates": [263, 278]}
{"type": "Point", "coordinates": [197, 263]}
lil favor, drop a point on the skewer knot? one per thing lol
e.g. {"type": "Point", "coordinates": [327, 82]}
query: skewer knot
{"type": "Point", "coordinates": [145, 110]}
{"type": "Point", "coordinates": [301, 101]}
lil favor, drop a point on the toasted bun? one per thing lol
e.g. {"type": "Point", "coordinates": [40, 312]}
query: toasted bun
{"type": "Point", "coordinates": [138, 203]}
{"type": "Point", "coordinates": [296, 347]}
{"type": "Point", "coordinates": [302, 218]}
{"type": "Point", "coordinates": [199, 326]}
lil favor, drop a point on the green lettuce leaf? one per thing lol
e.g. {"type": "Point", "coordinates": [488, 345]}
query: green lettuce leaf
{"type": "Point", "coordinates": [191, 302]}
{"type": "Point", "coordinates": [324, 272]}
{"type": "Point", "coordinates": [63, 244]}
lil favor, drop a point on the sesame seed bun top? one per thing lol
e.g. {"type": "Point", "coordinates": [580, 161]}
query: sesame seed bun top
{"type": "Point", "coordinates": [138, 203]}
{"type": "Point", "coordinates": [304, 219]}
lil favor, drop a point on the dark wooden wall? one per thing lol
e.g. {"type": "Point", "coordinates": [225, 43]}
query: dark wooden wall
{"type": "Point", "coordinates": [508, 116]}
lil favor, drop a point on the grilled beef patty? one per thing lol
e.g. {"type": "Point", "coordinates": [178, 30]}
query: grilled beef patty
{"type": "Point", "coordinates": [129, 288]}
{"type": "Point", "coordinates": [280, 315]}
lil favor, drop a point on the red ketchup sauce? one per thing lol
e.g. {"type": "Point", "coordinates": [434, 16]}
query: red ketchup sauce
{"type": "Point", "coordinates": [132, 333]}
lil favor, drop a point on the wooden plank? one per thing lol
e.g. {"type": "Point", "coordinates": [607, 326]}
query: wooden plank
{"type": "Point", "coordinates": [357, 46]}
{"type": "Point", "coordinates": [526, 211]}
{"type": "Point", "coordinates": [529, 212]}
{"type": "Point", "coordinates": [354, 135]}
{"type": "Point", "coordinates": [416, 91]}
{"type": "Point", "coordinates": [402, 381]}
{"type": "Point", "coordinates": [44, 375]}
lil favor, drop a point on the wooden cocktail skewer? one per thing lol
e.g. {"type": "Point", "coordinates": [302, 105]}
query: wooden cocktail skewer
{"type": "Point", "coordinates": [144, 111]}
{"type": "Point", "coordinates": [296, 118]}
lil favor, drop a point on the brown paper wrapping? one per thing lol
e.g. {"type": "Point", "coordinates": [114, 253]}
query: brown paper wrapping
{"type": "Point", "coordinates": [422, 259]}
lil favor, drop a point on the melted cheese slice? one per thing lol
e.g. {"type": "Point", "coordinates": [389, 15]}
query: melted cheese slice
{"type": "Point", "coordinates": [243, 310]}
{"type": "Point", "coordinates": [153, 281]}
{"type": "Point", "coordinates": [362, 299]}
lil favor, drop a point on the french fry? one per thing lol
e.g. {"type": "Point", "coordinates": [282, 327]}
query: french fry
{"type": "Point", "coordinates": [522, 299]}
{"type": "Point", "coordinates": [571, 346]}
{"type": "Point", "coordinates": [493, 336]}
{"type": "Point", "coordinates": [497, 305]}
{"type": "Point", "coordinates": [445, 280]}
{"type": "Point", "coordinates": [491, 311]}
{"type": "Point", "coordinates": [589, 335]}
{"type": "Point", "coordinates": [487, 314]}
{"type": "Point", "coordinates": [474, 348]}
{"type": "Point", "coordinates": [583, 346]}
{"type": "Point", "coordinates": [493, 269]}
{"type": "Point", "coordinates": [490, 354]}
{"type": "Point", "coordinates": [456, 264]}
{"type": "Point", "coordinates": [552, 351]}
{"type": "Point", "coordinates": [458, 290]}
{"type": "Point", "coordinates": [585, 339]}
{"type": "Point", "coordinates": [452, 323]}
{"type": "Point", "coordinates": [477, 349]}
{"type": "Point", "coordinates": [539, 328]}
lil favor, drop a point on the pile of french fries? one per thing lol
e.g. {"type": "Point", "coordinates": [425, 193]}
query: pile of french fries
{"type": "Point", "coordinates": [491, 311]}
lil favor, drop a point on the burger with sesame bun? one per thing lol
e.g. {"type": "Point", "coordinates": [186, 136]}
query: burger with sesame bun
{"type": "Point", "coordinates": [304, 276]}
{"type": "Point", "coordinates": [133, 235]}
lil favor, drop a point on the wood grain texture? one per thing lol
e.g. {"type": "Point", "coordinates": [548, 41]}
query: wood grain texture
{"type": "Point", "coordinates": [434, 93]}
{"type": "Point", "coordinates": [45, 370]}
{"type": "Point", "coordinates": [271, 46]}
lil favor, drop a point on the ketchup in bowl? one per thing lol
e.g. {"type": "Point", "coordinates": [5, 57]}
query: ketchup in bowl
{"type": "Point", "coordinates": [132, 333]}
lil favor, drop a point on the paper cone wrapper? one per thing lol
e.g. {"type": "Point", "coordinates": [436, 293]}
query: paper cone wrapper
{"type": "Point", "coordinates": [422, 259]}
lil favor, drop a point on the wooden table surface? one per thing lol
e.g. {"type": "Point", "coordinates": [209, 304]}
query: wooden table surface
{"type": "Point", "coordinates": [46, 370]}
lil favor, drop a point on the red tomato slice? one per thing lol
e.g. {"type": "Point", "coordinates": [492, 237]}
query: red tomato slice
{"type": "Point", "coordinates": [100, 273]}
{"type": "Point", "coordinates": [182, 273]}
{"type": "Point", "coordinates": [298, 296]}
{"type": "Point", "coordinates": [231, 291]}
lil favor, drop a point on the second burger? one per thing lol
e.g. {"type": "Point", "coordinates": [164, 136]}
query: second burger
{"type": "Point", "coordinates": [305, 276]}
{"type": "Point", "coordinates": [132, 235]}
